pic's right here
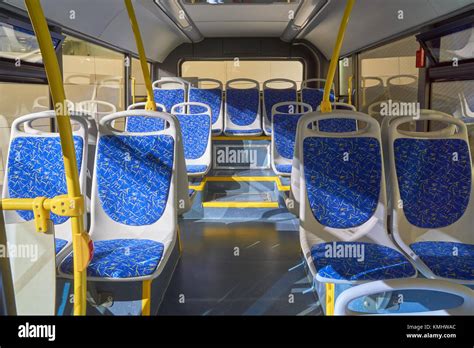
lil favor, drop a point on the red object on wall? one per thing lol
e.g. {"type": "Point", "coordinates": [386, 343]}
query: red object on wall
{"type": "Point", "coordinates": [420, 58]}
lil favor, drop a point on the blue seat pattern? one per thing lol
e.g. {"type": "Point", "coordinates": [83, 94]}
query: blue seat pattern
{"type": "Point", "coordinates": [283, 168]}
{"type": "Point", "coordinates": [434, 187]}
{"type": "Point", "coordinates": [242, 105]}
{"type": "Point", "coordinates": [134, 177]}
{"type": "Point", "coordinates": [169, 97]}
{"type": "Point", "coordinates": [447, 259]}
{"type": "Point", "coordinates": [121, 258]}
{"type": "Point", "coordinates": [273, 96]}
{"type": "Point", "coordinates": [141, 124]}
{"type": "Point", "coordinates": [195, 130]}
{"type": "Point", "coordinates": [36, 169]}
{"type": "Point", "coordinates": [314, 96]}
{"type": "Point", "coordinates": [338, 125]}
{"type": "Point", "coordinates": [284, 126]}
{"type": "Point", "coordinates": [342, 194]}
{"type": "Point", "coordinates": [243, 131]}
{"type": "Point", "coordinates": [373, 262]}
{"type": "Point", "coordinates": [211, 97]}
{"type": "Point", "coordinates": [194, 168]}
{"type": "Point", "coordinates": [60, 244]}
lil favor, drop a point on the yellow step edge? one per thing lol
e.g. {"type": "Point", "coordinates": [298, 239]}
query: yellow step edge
{"type": "Point", "coordinates": [240, 204]}
{"type": "Point", "coordinates": [274, 179]}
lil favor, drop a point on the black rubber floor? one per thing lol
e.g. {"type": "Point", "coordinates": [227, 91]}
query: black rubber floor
{"type": "Point", "coordinates": [239, 268]}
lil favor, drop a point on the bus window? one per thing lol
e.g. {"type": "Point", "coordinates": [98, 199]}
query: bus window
{"type": "Point", "coordinates": [18, 99]}
{"type": "Point", "coordinates": [389, 72]}
{"type": "Point", "coordinates": [260, 70]}
{"type": "Point", "coordinates": [138, 80]}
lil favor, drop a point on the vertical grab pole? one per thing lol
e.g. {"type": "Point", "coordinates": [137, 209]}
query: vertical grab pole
{"type": "Point", "coordinates": [150, 102]}
{"type": "Point", "coordinates": [80, 239]}
{"type": "Point", "coordinates": [326, 103]}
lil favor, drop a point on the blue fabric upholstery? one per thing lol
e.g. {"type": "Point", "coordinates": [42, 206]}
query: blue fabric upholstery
{"type": "Point", "coordinates": [434, 186]}
{"type": "Point", "coordinates": [283, 168]}
{"type": "Point", "coordinates": [273, 96]}
{"type": "Point", "coordinates": [134, 177]}
{"type": "Point", "coordinates": [60, 244]}
{"type": "Point", "coordinates": [211, 97]}
{"type": "Point", "coordinates": [195, 130]}
{"type": "Point", "coordinates": [121, 258]}
{"type": "Point", "coordinates": [343, 178]}
{"type": "Point", "coordinates": [141, 124]}
{"type": "Point", "coordinates": [339, 125]}
{"type": "Point", "coordinates": [191, 192]}
{"type": "Point", "coordinates": [284, 126]}
{"type": "Point", "coordinates": [243, 131]}
{"type": "Point", "coordinates": [314, 96]}
{"type": "Point", "coordinates": [360, 261]}
{"type": "Point", "coordinates": [194, 168]}
{"type": "Point", "coordinates": [447, 259]}
{"type": "Point", "coordinates": [169, 97]}
{"type": "Point", "coordinates": [242, 105]}
{"type": "Point", "coordinates": [36, 169]}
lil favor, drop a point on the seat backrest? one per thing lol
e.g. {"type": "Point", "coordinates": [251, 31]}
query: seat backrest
{"type": "Point", "coordinates": [285, 117]}
{"type": "Point", "coordinates": [314, 96]}
{"type": "Point", "coordinates": [35, 166]}
{"type": "Point", "coordinates": [138, 124]}
{"type": "Point", "coordinates": [431, 182]}
{"type": "Point", "coordinates": [273, 96]}
{"type": "Point", "coordinates": [169, 97]}
{"type": "Point", "coordinates": [372, 90]}
{"type": "Point", "coordinates": [242, 104]}
{"type": "Point", "coordinates": [341, 180]}
{"type": "Point", "coordinates": [335, 125]}
{"type": "Point", "coordinates": [134, 190]}
{"type": "Point", "coordinates": [211, 97]}
{"type": "Point", "coordinates": [196, 131]}
{"type": "Point", "coordinates": [403, 87]}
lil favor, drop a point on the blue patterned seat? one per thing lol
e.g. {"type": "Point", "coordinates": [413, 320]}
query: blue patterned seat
{"type": "Point", "coordinates": [283, 168]}
{"type": "Point", "coordinates": [169, 97]}
{"type": "Point", "coordinates": [36, 169]}
{"type": "Point", "coordinates": [140, 124]}
{"type": "Point", "coordinates": [273, 96]}
{"type": "Point", "coordinates": [60, 244]}
{"type": "Point", "coordinates": [195, 168]}
{"type": "Point", "coordinates": [342, 193]}
{"type": "Point", "coordinates": [242, 109]}
{"type": "Point", "coordinates": [447, 259]}
{"type": "Point", "coordinates": [361, 262]}
{"type": "Point", "coordinates": [121, 258]}
{"type": "Point", "coordinates": [211, 97]}
{"type": "Point", "coordinates": [284, 126]}
{"type": "Point", "coordinates": [337, 125]}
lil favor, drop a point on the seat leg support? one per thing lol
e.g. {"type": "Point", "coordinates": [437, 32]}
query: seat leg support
{"type": "Point", "coordinates": [330, 292]}
{"type": "Point", "coordinates": [146, 297]}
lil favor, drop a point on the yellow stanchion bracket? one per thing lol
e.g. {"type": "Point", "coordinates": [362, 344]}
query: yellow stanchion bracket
{"type": "Point", "coordinates": [41, 214]}
{"type": "Point", "coordinates": [67, 206]}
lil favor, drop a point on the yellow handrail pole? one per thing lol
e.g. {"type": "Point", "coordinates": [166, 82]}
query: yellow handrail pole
{"type": "Point", "coordinates": [80, 238]}
{"type": "Point", "coordinates": [150, 102]}
{"type": "Point", "coordinates": [326, 103]}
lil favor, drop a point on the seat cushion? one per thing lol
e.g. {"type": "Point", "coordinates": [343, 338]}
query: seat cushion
{"type": "Point", "coordinates": [169, 97]}
{"type": "Point", "coordinates": [242, 105]}
{"type": "Point", "coordinates": [243, 131]}
{"type": "Point", "coordinates": [60, 244]}
{"type": "Point", "coordinates": [447, 259]}
{"type": "Point", "coordinates": [141, 124]}
{"type": "Point", "coordinates": [340, 125]}
{"type": "Point", "coordinates": [196, 130]}
{"type": "Point", "coordinates": [358, 261]}
{"type": "Point", "coordinates": [194, 168]}
{"type": "Point", "coordinates": [209, 96]}
{"type": "Point", "coordinates": [273, 96]}
{"type": "Point", "coordinates": [121, 258]}
{"type": "Point", "coordinates": [283, 168]}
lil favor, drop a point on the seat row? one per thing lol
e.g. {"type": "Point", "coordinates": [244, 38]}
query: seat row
{"type": "Point", "coordinates": [241, 110]}
{"type": "Point", "coordinates": [338, 190]}
{"type": "Point", "coordinates": [138, 190]}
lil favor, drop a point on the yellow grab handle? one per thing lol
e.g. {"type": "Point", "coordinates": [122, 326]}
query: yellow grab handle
{"type": "Point", "coordinates": [79, 238]}
{"type": "Point", "coordinates": [150, 102]}
{"type": "Point", "coordinates": [326, 103]}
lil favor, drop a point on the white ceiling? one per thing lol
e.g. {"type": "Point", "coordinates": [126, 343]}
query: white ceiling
{"type": "Point", "coordinates": [242, 20]}
{"type": "Point", "coordinates": [370, 22]}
